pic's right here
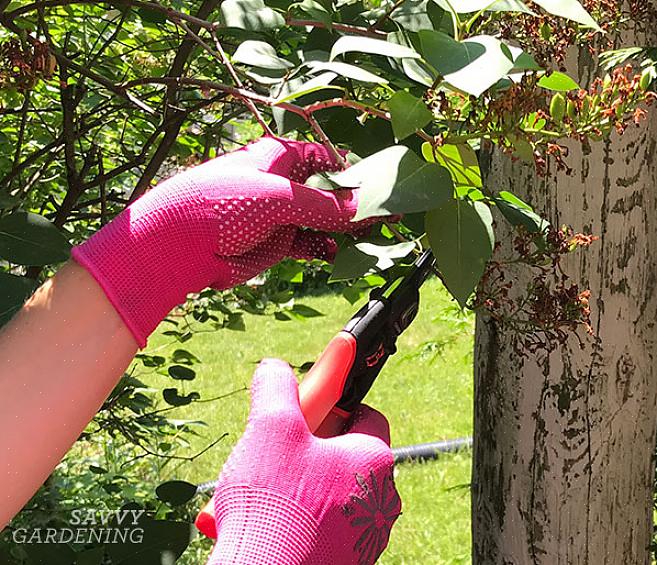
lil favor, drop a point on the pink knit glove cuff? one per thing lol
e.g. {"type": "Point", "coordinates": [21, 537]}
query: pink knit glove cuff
{"type": "Point", "coordinates": [217, 224]}
{"type": "Point", "coordinates": [286, 497]}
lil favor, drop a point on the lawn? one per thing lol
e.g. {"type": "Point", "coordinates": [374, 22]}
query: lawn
{"type": "Point", "coordinates": [425, 391]}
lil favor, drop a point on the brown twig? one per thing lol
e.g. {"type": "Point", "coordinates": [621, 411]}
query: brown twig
{"type": "Point", "coordinates": [385, 16]}
{"type": "Point", "coordinates": [342, 103]}
{"type": "Point", "coordinates": [220, 55]}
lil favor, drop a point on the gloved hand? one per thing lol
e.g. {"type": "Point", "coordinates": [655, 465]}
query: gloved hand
{"type": "Point", "coordinates": [217, 224]}
{"type": "Point", "coordinates": [286, 497]}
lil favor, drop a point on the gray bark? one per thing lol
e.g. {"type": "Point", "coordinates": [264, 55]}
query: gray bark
{"type": "Point", "coordinates": [563, 454]}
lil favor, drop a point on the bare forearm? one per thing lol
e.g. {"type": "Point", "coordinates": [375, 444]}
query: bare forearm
{"type": "Point", "coordinates": [61, 356]}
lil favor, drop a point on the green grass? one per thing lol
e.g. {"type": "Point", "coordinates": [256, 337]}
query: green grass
{"type": "Point", "coordinates": [425, 391]}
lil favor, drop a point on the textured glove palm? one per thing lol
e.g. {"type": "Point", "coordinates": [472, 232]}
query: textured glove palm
{"type": "Point", "coordinates": [217, 224]}
{"type": "Point", "coordinates": [286, 497]}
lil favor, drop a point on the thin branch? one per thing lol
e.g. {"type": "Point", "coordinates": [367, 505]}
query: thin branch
{"type": "Point", "coordinates": [21, 129]}
{"type": "Point", "coordinates": [378, 23]}
{"type": "Point", "coordinates": [174, 121]}
{"type": "Point", "coordinates": [342, 103]}
{"type": "Point", "coordinates": [172, 457]}
{"type": "Point", "coordinates": [220, 55]}
{"type": "Point", "coordinates": [325, 140]}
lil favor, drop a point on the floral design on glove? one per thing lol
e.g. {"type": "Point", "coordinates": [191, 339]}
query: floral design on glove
{"type": "Point", "coordinates": [376, 508]}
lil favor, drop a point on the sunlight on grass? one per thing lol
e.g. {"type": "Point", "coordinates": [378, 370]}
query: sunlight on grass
{"type": "Point", "coordinates": [425, 391]}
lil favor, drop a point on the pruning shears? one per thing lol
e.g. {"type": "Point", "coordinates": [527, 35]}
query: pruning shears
{"type": "Point", "coordinates": [346, 370]}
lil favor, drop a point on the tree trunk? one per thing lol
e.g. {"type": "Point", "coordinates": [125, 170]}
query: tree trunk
{"type": "Point", "coordinates": [563, 453]}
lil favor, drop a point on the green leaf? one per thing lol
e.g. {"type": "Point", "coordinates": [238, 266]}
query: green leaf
{"type": "Point", "coordinates": [175, 492]}
{"type": "Point", "coordinates": [362, 44]}
{"type": "Point", "coordinates": [472, 65]}
{"type": "Point", "coordinates": [320, 82]}
{"type": "Point", "coordinates": [346, 70]}
{"type": "Point", "coordinates": [151, 360]}
{"type": "Point", "coordinates": [460, 160]}
{"type": "Point", "coordinates": [414, 15]}
{"type": "Point", "coordinates": [408, 114]}
{"type": "Point", "coordinates": [322, 181]}
{"type": "Point", "coordinates": [181, 373]}
{"type": "Point", "coordinates": [558, 81]}
{"type": "Point", "coordinates": [354, 261]}
{"type": "Point", "coordinates": [461, 235]}
{"type": "Point", "coordinates": [236, 322]}
{"type": "Point", "coordinates": [303, 311]}
{"type": "Point", "coordinates": [569, 9]}
{"type": "Point", "coordinates": [151, 18]}
{"type": "Point", "coordinates": [396, 181]}
{"type": "Point", "coordinates": [315, 11]}
{"type": "Point", "coordinates": [260, 54]}
{"type": "Point", "coordinates": [172, 397]}
{"type": "Point", "coordinates": [519, 213]}
{"type": "Point", "coordinates": [185, 357]}
{"type": "Point", "coordinates": [291, 271]}
{"type": "Point", "coordinates": [470, 6]}
{"type": "Point", "coordinates": [30, 239]}
{"type": "Point", "coordinates": [251, 15]}
{"type": "Point", "coordinates": [14, 292]}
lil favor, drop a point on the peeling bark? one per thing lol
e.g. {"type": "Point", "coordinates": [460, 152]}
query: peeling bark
{"type": "Point", "coordinates": [563, 452]}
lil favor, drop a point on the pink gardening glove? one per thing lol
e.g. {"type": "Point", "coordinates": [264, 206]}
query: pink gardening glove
{"type": "Point", "coordinates": [286, 497]}
{"type": "Point", "coordinates": [217, 224]}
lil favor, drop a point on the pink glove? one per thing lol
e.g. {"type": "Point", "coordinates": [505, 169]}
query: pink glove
{"type": "Point", "coordinates": [286, 497]}
{"type": "Point", "coordinates": [217, 224]}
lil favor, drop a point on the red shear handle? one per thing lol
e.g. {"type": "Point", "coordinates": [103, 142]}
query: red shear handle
{"type": "Point", "coordinates": [319, 392]}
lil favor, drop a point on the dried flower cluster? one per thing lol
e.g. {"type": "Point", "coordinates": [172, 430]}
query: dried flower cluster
{"type": "Point", "coordinates": [21, 66]}
{"type": "Point", "coordinates": [548, 37]}
{"type": "Point", "coordinates": [551, 307]}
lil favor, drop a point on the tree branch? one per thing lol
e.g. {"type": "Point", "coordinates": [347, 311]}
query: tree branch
{"type": "Point", "coordinates": [176, 120]}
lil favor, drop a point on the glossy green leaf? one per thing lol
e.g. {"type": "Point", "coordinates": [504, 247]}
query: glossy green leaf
{"type": "Point", "coordinates": [461, 236]}
{"type": "Point", "coordinates": [315, 11]}
{"type": "Point", "coordinates": [14, 291]}
{"type": "Point", "coordinates": [519, 213]}
{"type": "Point", "coordinates": [346, 70]}
{"type": "Point", "coordinates": [251, 15]}
{"type": "Point", "coordinates": [472, 65]}
{"type": "Point", "coordinates": [470, 6]}
{"type": "Point", "coordinates": [260, 54]}
{"type": "Point", "coordinates": [353, 261]}
{"type": "Point", "coordinates": [320, 82]}
{"type": "Point", "coordinates": [396, 181]}
{"type": "Point", "coordinates": [569, 9]}
{"type": "Point", "coordinates": [408, 114]}
{"type": "Point", "coordinates": [558, 81]}
{"type": "Point", "coordinates": [414, 15]}
{"type": "Point", "coordinates": [348, 43]}
{"type": "Point", "coordinates": [30, 239]}
{"type": "Point", "coordinates": [460, 160]}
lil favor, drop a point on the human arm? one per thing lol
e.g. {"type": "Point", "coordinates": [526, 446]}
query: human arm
{"type": "Point", "coordinates": [62, 354]}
